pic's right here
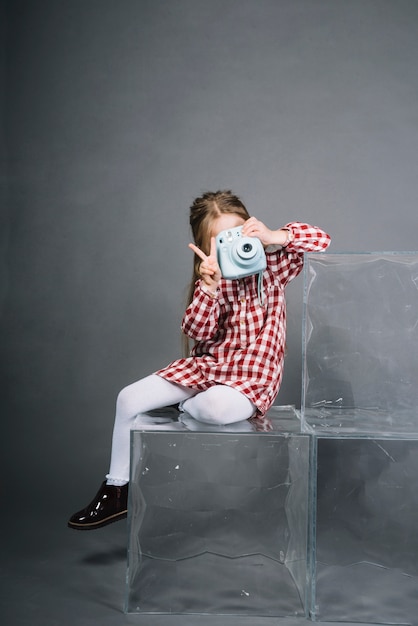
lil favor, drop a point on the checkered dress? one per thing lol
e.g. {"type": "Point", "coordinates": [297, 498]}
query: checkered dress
{"type": "Point", "coordinates": [238, 342]}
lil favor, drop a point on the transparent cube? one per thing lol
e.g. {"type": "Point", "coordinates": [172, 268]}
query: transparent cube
{"type": "Point", "coordinates": [360, 344]}
{"type": "Point", "coordinates": [365, 543]}
{"type": "Point", "coordinates": [218, 520]}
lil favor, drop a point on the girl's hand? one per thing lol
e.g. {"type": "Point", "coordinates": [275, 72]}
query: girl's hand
{"type": "Point", "coordinates": [209, 269]}
{"type": "Point", "coordinates": [254, 228]}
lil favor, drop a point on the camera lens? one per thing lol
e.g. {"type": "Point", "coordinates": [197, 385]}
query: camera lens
{"type": "Point", "coordinates": [244, 252]}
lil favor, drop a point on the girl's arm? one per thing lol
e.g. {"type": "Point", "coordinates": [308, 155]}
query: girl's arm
{"type": "Point", "coordinates": [293, 240]}
{"type": "Point", "coordinates": [200, 321]}
{"type": "Point", "coordinates": [304, 236]}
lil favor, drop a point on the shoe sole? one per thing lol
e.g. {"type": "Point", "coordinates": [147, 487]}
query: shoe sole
{"type": "Point", "coordinates": [103, 522]}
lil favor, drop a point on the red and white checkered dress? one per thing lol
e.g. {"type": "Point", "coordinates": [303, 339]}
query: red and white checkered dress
{"type": "Point", "coordinates": [239, 343]}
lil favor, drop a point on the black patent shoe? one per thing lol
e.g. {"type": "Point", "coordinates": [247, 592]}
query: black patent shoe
{"type": "Point", "coordinates": [109, 505]}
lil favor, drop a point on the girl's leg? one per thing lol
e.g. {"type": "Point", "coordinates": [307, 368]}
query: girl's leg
{"type": "Point", "coordinates": [150, 393]}
{"type": "Point", "coordinates": [219, 405]}
{"type": "Point", "coordinates": [111, 501]}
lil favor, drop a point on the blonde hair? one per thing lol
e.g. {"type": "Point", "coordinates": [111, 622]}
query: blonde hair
{"type": "Point", "coordinates": [203, 212]}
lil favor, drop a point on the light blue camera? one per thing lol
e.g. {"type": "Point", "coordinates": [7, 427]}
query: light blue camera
{"type": "Point", "coordinates": [239, 256]}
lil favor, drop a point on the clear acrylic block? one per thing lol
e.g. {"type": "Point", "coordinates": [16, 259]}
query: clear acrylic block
{"type": "Point", "coordinates": [218, 521]}
{"type": "Point", "coordinates": [365, 546]}
{"type": "Point", "coordinates": [360, 344]}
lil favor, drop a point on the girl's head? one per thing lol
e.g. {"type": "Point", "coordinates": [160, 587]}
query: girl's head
{"type": "Point", "coordinates": [213, 212]}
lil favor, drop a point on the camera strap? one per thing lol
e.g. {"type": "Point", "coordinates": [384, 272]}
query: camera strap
{"type": "Point", "coordinates": [260, 290]}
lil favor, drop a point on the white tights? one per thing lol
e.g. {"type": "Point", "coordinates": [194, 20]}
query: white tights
{"type": "Point", "coordinates": [220, 404]}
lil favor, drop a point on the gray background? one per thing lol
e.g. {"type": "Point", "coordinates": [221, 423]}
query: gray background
{"type": "Point", "coordinates": [115, 115]}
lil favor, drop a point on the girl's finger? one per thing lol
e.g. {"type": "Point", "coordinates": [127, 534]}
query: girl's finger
{"type": "Point", "coordinates": [198, 251]}
{"type": "Point", "coordinates": [213, 247]}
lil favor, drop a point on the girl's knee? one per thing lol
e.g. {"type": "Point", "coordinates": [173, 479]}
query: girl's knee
{"type": "Point", "coordinates": [218, 405]}
{"type": "Point", "coordinates": [214, 407]}
{"type": "Point", "coordinates": [123, 403]}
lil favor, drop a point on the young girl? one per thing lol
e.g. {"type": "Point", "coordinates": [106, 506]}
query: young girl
{"type": "Point", "coordinates": [235, 368]}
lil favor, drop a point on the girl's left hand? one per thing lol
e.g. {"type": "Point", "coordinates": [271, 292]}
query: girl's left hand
{"type": "Point", "coordinates": [254, 228]}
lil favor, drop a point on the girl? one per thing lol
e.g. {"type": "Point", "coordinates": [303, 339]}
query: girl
{"type": "Point", "coordinates": [236, 365]}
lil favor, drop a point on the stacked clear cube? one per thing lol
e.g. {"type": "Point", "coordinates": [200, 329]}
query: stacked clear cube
{"type": "Point", "coordinates": [360, 404]}
{"type": "Point", "coordinates": [218, 521]}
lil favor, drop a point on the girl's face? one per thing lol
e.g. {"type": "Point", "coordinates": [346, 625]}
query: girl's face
{"type": "Point", "coordinates": [225, 222]}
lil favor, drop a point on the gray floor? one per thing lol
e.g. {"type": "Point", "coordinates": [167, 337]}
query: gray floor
{"type": "Point", "coordinates": [55, 576]}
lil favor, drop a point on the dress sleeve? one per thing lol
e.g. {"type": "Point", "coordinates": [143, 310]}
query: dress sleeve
{"type": "Point", "coordinates": [200, 320]}
{"type": "Point", "coordinates": [288, 262]}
